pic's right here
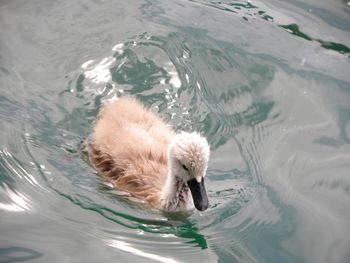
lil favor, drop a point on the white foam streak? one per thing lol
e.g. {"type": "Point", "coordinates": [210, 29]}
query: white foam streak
{"type": "Point", "coordinates": [121, 245]}
{"type": "Point", "coordinates": [19, 201]}
{"type": "Point", "coordinates": [174, 79]}
{"type": "Point", "coordinates": [100, 73]}
{"type": "Point", "coordinates": [19, 170]}
{"type": "Point", "coordinates": [118, 48]}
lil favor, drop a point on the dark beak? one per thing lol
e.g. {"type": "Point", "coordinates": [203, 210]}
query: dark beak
{"type": "Point", "coordinates": [199, 195]}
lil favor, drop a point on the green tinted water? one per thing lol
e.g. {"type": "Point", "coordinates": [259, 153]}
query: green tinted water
{"type": "Point", "coordinates": [266, 82]}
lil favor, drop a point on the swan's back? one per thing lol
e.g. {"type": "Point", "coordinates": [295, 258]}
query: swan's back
{"type": "Point", "coordinates": [129, 146]}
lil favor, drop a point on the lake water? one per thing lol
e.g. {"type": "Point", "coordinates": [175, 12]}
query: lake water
{"type": "Point", "coordinates": [267, 82]}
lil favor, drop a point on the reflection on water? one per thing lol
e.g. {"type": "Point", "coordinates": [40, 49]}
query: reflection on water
{"type": "Point", "coordinates": [18, 254]}
{"type": "Point", "coordinates": [294, 29]}
{"type": "Point", "coordinates": [128, 248]}
{"type": "Point", "coordinates": [266, 82]}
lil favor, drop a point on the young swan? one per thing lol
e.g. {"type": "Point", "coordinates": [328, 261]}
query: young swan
{"type": "Point", "coordinates": [138, 153]}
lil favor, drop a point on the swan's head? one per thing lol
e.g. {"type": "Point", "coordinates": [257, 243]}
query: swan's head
{"type": "Point", "coordinates": [188, 159]}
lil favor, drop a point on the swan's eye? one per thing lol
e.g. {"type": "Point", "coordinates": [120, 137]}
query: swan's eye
{"type": "Point", "coordinates": [184, 166]}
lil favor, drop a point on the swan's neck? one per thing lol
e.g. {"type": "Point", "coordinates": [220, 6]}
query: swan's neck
{"type": "Point", "coordinates": [176, 194]}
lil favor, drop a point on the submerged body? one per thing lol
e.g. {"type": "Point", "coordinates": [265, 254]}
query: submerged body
{"type": "Point", "coordinates": [142, 155]}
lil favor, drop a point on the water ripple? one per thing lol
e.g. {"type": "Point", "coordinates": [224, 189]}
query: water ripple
{"type": "Point", "coordinates": [266, 82]}
{"type": "Point", "coordinates": [17, 201]}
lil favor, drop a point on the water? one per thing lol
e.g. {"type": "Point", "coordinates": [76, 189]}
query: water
{"type": "Point", "coordinates": [267, 82]}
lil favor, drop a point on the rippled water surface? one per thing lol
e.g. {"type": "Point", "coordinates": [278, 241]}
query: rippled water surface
{"type": "Point", "coordinates": [267, 82]}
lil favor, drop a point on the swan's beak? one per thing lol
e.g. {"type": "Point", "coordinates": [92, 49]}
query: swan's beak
{"type": "Point", "coordinates": [199, 195]}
